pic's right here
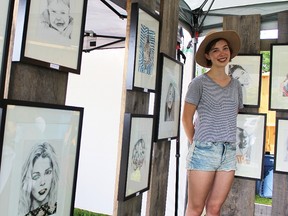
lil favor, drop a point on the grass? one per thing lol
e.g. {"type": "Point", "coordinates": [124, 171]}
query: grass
{"type": "Point", "coordinates": [81, 212]}
{"type": "Point", "coordinates": [264, 201]}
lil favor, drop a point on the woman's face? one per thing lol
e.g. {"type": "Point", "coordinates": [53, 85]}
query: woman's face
{"type": "Point", "coordinates": [59, 15]}
{"type": "Point", "coordinates": [41, 178]}
{"type": "Point", "coordinates": [219, 54]}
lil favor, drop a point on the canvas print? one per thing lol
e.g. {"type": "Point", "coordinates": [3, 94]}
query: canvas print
{"type": "Point", "coordinates": [278, 77]}
{"type": "Point", "coordinates": [169, 100]}
{"type": "Point", "coordinates": [53, 33]}
{"type": "Point", "coordinates": [136, 155]}
{"type": "Point", "coordinates": [143, 54]}
{"type": "Point", "coordinates": [250, 142]}
{"type": "Point", "coordinates": [39, 159]}
{"type": "Point", "coordinates": [247, 69]}
{"type": "Point", "coordinates": [281, 146]}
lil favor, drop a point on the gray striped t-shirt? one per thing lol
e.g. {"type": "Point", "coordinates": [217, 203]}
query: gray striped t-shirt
{"type": "Point", "coordinates": [217, 108]}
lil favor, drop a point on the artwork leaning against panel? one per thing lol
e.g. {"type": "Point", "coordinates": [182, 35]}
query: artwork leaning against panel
{"type": "Point", "coordinates": [278, 78]}
{"type": "Point", "coordinates": [39, 159]}
{"type": "Point", "coordinates": [250, 141]}
{"type": "Point", "coordinates": [281, 149]}
{"type": "Point", "coordinates": [136, 155]}
{"type": "Point", "coordinates": [53, 32]}
{"type": "Point", "coordinates": [247, 69]}
{"type": "Point", "coordinates": [143, 49]}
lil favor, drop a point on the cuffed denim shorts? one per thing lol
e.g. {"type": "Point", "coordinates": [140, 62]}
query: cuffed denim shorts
{"type": "Point", "coordinates": [211, 156]}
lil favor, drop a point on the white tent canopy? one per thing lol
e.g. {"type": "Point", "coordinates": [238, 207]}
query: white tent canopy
{"type": "Point", "coordinates": [106, 22]}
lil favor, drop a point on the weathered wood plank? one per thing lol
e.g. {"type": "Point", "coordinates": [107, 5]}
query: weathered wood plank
{"type": "Point", "coordinates": [241, 198]}
{"type": "Point", "coordinates": [156, 198]}
{"type": "Point", "coordinates": [280, 181]}
{"type": "Point", "coordinates": [33, 83]}
{"type": "Point", "coordinates": [132, 102]}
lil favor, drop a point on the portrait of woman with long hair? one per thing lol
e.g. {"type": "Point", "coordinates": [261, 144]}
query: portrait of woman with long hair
{"type": "Point", "coordinates": [39, 182]}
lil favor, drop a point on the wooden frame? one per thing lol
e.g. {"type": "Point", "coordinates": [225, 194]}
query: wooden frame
{"type": "Point", "coordinates": [247, 69]}
{"type": "Point", "coordinates": [136, 156]}
{"type": "Point", "coordinates": [250, 145]}
{"type": "Point", "coordinates": [167, 111]}
{"type": "Point", "coordinates": [143, 49]}
{"type": "Point", "coordinates": [281, 146]}
{"type": "Point", "coordinates": [53, 34]}
{"type": "Point", "coordinates": [278, 100]}
{"type": "Point", "coordinates": [6, 15]}
{"type": "Point", "coordinates": [39, 157]}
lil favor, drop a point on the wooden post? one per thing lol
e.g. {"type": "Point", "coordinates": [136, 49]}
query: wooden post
{"type": "Point", "coordinates": [156, 200]}
{"type": "Point", "coordinates": [280, 181]}
{"type": "Point", "coordinates": [33, 83]}
{"type": "Point", "coordinates": [135, 102]}
{"type": "Point", "coordinates": [241, 198]}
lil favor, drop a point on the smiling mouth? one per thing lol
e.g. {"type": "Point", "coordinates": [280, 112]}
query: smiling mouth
{"type": "Point", "coordinates": [222, 59]}
{"type": "Point", "coordinates": [43, 191]}
{"type": "Point", "coordinates": [60, 24]}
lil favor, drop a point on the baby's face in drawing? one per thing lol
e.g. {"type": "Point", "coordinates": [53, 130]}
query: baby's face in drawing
{"type": "Point", "coordinates": [59, 15]}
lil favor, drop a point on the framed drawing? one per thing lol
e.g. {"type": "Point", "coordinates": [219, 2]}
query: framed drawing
{"type": "Point", "coordinates": [247, 69]}
{"type": "Point", "coordinates": [168, 100]}
{"type": "Point", "coordinates": [143, 49]}
{"type": "Point", "coordinates": [278, 78]}
{"type": "Point", "coordinates": [281, 146]}
{"type": "Point", "coordinates": [6, 14]}
{"type": "Point", "coordinates": [39, 158]}
{"type": "Point", "coordinates": [250, 145]}
{"type": "Point", "coordinates": [53, 34]}
{"type": "Point", "coordinates": [136, 155]}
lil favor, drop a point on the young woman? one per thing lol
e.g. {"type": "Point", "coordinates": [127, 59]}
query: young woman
{"type": "Point", "coordinates": [216, 98]}
{"type": "Point", "coordinates": [40, 175]}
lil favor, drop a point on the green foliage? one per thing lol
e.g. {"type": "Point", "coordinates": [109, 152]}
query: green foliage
{"type": "Point", "coordinates": [262, 200]}
{"type": "Point", "coordinates": [81, 212]}
{"type": "Point", "coordinates": [265, 61]}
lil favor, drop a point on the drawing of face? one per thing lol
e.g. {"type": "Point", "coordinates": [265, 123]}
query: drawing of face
{"type": "Point", "coordinates": [59, 13]}
{"type": "Point", "coordinates": [241, 138]}
{"type": "Point", "coordinates": [138, 154]}
{"type": "Point", "coordinates": [170, 96]}
{"type": "Point", "coordinates": [41, 179]}
{"type": "Point", "coordinates": [242, 76]}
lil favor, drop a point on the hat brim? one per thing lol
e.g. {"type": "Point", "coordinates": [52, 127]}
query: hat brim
{"type": "Point", "coordinates": [229, 35]}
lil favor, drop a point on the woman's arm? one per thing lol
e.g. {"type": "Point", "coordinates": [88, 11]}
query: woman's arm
{"type": "Point", "coordinates": [187, 120]}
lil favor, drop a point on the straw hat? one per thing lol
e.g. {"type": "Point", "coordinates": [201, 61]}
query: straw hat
{"type": "Point", "coordinates": [229, 35]}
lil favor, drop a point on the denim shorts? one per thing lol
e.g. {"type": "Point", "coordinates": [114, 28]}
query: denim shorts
{"type": "Point", "coordinates": [211, 156]}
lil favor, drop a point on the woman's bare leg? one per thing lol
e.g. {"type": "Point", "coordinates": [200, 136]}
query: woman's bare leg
{"type": "Point", "coordinates": [199, 185]}
{"type": "Point", "coordinates": [221, 186]}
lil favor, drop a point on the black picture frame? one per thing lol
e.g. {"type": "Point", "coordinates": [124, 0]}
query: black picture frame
{"type": "Point", "coordinates": [136, 156]}
{"type": "Point", "coordinates": [247, 68]}
{"type": "Point", "coordinates": [53, 34]}
{"type": "Point", "coordinates": [143, 49]}
{"type": "Point", "coordinates": [250, 145]}
{"type": "Point", "coordinates": [32, 131]}
{"type": "Point", "coordinates": [168, 114]}
{"type": "Point", "coordinates": [6, 15]}
{"type": "Point", "coordinates": [281, 146]}
{"type": "Point", "coordinates": [278, 91]}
